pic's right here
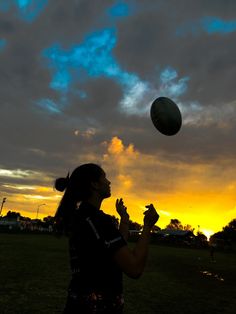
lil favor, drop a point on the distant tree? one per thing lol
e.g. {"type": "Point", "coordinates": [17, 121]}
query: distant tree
{"type": "Point", "coordinates": [201, 236]}
{"type": "Point", "coordinates": [228, 232]}
{"type": "Point", "coordinates": [189, 228]}
{"type": "Point", "coordinates": [175, 224]}
{"type": "Point", "coordinates": [217, 235]}
{"type": "Point", "coordinates": [201, 240]}
{"type": "Point", "coordinates": [38, 222]}
{"type": "Point", "coordinates": [231, 225]}
{"type": "Point", "coordinates": [25, 218]}
{"type": "Point", "coordinates": [49, 220]}
{"type": "Point", "coordinates": [12, 215]}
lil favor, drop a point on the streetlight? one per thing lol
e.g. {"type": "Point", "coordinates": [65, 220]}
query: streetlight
{"type": "Point", "coordinates": [38, 209]}
{"type": "Point", "coordinates": [3, 201]}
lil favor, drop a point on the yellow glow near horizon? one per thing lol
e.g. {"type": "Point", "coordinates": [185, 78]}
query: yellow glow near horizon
{"type": "Point", "coordinates": [211, 219]}
{"type": "Point", "coordinates": [195, 194]}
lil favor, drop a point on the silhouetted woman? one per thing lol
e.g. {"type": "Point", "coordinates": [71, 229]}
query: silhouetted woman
{"type": "Point", "coordinates": [98, 249]}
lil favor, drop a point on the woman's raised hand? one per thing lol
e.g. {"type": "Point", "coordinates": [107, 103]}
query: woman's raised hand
{"type": "Point", "coordinates": [150, 216]}
{"type": "Point", "coordinates": [122, 209]}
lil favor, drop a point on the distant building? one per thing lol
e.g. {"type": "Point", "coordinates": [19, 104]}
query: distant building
{"type": "Point", "coordinates": [7, 223]}
{"type": "Point", "coordinates": [17, 224]}
{"type": "Point", "coordinates": [134, 232]}
{"type": "Point", "coordinates": [174, 236]}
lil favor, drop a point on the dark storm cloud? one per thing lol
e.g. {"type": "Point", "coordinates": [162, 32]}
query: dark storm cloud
{"type": "Point", "coordinates": [147, 43]}
{"type": "Point", "coordinates": [206, 59]}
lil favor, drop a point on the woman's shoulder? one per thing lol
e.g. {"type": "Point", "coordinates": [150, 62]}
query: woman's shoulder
{"type": "Point", "coordinates": [108, 218]}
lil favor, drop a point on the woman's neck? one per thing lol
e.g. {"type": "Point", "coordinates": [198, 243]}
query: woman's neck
{"type": "Point", "coordinates": [94, 201]}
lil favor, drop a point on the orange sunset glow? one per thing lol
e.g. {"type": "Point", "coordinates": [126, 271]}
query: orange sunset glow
{"type": "Point", "coordinates": [191, 193]}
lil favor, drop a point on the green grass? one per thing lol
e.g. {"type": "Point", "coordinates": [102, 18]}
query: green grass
{"type": "Point", "coordinates": [34, 274]}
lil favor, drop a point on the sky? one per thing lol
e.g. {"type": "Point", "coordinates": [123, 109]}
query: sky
{"type": "Point", "coordinates": [77, 80]}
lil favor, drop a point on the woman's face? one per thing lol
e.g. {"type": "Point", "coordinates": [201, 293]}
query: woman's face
{"type": "Point", "coordinates": [103, 186]}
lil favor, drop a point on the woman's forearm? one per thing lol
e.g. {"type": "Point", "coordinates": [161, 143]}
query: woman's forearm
{"type": "Point", "coordinates": [140, 250]}
{"type": "Point", "coordinates": [124, 228]}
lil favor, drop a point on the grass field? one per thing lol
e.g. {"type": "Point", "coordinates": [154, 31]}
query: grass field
{"type": "Point", "coordinates": [34, 275]}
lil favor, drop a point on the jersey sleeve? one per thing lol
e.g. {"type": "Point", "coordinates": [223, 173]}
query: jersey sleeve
{"type": "Point", "coordinates": [107, 233]}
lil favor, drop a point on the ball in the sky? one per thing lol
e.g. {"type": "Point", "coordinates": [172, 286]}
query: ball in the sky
{"type": "Point", "coordinates": [166, 116]}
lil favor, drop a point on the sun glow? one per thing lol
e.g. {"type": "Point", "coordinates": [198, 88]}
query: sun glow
{"type": "Point", "coordinates": [208, 233]}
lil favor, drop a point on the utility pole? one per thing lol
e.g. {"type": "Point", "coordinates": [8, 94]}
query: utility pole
{"type": "Point", "coordinates": [3, 201]}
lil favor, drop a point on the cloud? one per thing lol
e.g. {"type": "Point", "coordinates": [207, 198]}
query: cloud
{"type": "Point", "coordinates": [170, 86]}
{"type": "Point", "coordinates": [49, 105]}
{"type": "Point", "coordinates": [163, 212]}
{"type": "Point", "coordinates": [128, 164]}
{"type": "Point", "coordinates": [122, 158]}
{"type": "Point", "coordinates": [17, 173]}
{"type": "Point", "coordinates": [196, 114]}
{"type": "Point", "coordinates": [92, 59]}
{"type": "Point", "coordinates": [88, 134]}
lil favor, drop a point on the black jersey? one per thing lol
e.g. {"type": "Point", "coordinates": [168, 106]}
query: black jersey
{"type": "Point", "coordinates": [92, 244]}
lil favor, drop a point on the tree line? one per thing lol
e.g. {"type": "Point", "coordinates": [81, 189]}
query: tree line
{"type": "Point", "coordinates": [228, 232]}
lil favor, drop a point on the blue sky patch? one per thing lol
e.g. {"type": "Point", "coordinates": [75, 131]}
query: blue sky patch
{"type": "Point", "coordinates": [209, 25]}
{"type": "Point", "coordinates": [120, 9]}
{"type": "Point", "coordinates": [27, 10]}
{"type": "Point", "coordinates": [3, 44]}
{"type": "Point", "coordinates": [215, 25]}
{"type": "Point", "coordinates": [91, 59]}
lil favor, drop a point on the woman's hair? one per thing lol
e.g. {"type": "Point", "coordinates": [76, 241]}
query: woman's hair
{"type": "Point", "coordinates": [77, 188]}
